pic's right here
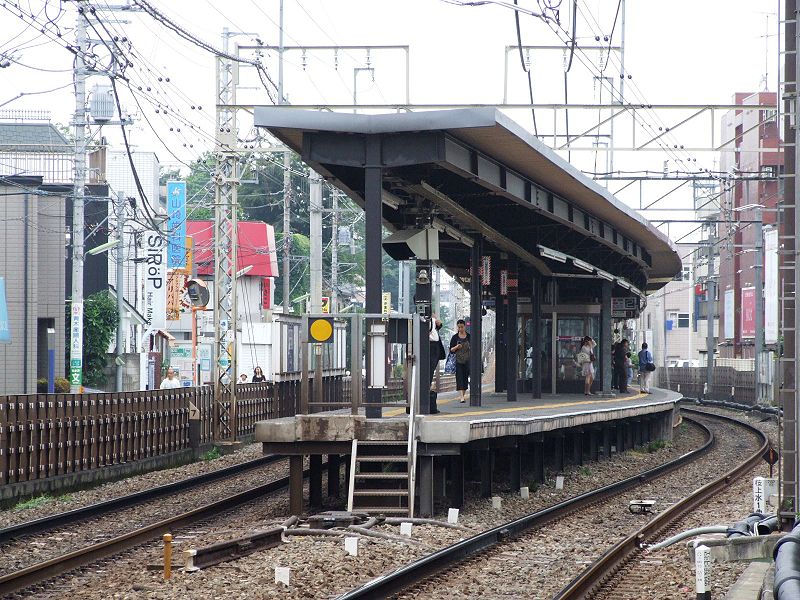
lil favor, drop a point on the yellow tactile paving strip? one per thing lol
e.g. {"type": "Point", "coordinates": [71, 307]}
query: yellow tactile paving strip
{"type": "Point", "coordinates": [481, 413]}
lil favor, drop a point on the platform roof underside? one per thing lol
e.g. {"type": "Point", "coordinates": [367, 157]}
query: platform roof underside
{"type": "Point", "coordinates": [475, 172]}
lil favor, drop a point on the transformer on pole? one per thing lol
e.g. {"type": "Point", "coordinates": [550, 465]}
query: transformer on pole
{"type": "Point", "coordinates": [226, 181]}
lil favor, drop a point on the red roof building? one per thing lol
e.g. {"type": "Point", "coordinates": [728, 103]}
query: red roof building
{"type": "Point", "coordinates": [256, 247]}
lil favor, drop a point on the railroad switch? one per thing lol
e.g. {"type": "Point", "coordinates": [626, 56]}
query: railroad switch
{"type": "Point", "coordinates": [336, 518]}
{"type": "Point", "coordinates": [641, 507]}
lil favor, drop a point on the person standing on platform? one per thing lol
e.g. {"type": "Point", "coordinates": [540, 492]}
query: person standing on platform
{"type": "Point", "coordinates": [459, 345]}
{"type": "Point", "coordinates": [646, 367]}
{"type": "Point", "coordinates": [614, 382]}
{"type": "Point", "coordinates": [436, 354]}
{"type": "Point", "coordinates": [586, 360]}
{"type": "Point", "coordinates": [258, 376]}
{"type": "Point", "coordinates": [171, 382]}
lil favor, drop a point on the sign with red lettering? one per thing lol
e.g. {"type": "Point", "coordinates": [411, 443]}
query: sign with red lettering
{"type": "Point", "coordinates": [748, 313]}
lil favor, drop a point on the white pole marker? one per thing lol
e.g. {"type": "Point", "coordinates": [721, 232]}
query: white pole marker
{"type": "Point", "coordinates": [452, 516]}
{"type": "Point", "coordinates": [282, 575]}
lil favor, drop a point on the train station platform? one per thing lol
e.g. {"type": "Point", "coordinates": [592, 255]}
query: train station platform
{"type": "Point", "coordinates": [459, 423]}
{"type": "Point", "coordinates": [462, 443]}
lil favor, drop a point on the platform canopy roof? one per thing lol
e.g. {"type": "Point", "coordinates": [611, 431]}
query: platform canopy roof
{"type": "Point", "coordinates": [475, 172]}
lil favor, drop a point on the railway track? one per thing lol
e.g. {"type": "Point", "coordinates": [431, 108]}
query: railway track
{"type": "Point", "coordinates": [434, 568]}
{"type": "Point", "coordinates": [37, 573]}
{"type": "Point", "coordinates": [70, 517]}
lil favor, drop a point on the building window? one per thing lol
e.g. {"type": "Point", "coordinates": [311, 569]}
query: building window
{"type": "Point", "coordinates": [687, 272]}
{"type": "Point", "coordinates": [683, 320]}
{"type": "Point", "coordinates": [649, 321]}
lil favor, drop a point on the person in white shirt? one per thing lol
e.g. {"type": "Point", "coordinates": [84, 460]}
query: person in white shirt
{"type": "Point", "coordinates": [171, 382]}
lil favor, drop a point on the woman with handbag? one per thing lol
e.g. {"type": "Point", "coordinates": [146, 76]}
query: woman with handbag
{"type": "Point", "coordinates": [459, 346]}
{"type": "Point", "coordinates": [436, 354]}
{"type": "Point", "coordinates": [646, 368]}
{"type": "Point", "coordinates": [586, 360]}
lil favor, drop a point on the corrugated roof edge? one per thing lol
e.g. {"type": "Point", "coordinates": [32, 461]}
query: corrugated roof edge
{"type": "Point", "coordinates": [273, 117]}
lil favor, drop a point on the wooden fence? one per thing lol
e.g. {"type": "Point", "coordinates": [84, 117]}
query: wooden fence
{"type": "Point", "coordinates": [47, 435]}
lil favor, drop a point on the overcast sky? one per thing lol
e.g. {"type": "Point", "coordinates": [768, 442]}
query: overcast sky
{"type": "Point", "coordinates": [699, 52]}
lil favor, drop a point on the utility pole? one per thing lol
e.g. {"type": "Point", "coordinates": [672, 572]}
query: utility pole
{"type": "Point", "coordinates": [789, 268]}
{"type": "Point", "coordinates": [287, 181]}
{"type": "Point", "coordinates": [759, 293]}
{"type": "Point", "coordinates": [76, 320]}
{"type": "Point", "coordinates": [315, 235]}
{"type": "Point", "coordinates": [622, 52]}
{"type": "Point", "coordinates": [710, 303]}
{"type": "Point", "coordinates": [120, 362]}
{"type": "Point", "coordinates": [335, 251]}
{"type": "Point", "coordinates": [226, 181]}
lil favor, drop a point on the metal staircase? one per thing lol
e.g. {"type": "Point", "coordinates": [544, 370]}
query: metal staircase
{"type": "Point", "coordinates": [383, 473]}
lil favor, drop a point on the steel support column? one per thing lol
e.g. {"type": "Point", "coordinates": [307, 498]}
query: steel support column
{"type": "Point", "coordinates": [500, 335]}
{"type": "Point", "coordinates": [536, 342]}
{"type": "Point", "coordinates": [226, 181]}
{"type": "Point", "coordinates": [476, 351]}
{"type": "Point", "coordinates": [373, 274]}
{"type": "Point", "coordinates": [604, 343]}
{"type": "Point", "coordinates": [425, 483]}
{"type": "Point", "coordinates": [456, 491]}
{"type": "Point", "coordinates": [422, 300]}
{"type": "Point", "coordinates": [512, 341]}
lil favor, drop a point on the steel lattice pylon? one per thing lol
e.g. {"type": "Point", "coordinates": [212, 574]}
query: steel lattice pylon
{"type": "Point", "coordinates": [226, 181]}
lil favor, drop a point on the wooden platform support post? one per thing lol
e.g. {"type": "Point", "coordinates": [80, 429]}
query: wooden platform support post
{"type": "Point", "coordinates": [296, 484]}
{"type": "Point", "coordinates": [456, 490]}
{"type": "Point", "coordinates": [515, 465]}
{"type": "Point", "coordinates": [315, 481]}
{"type": "Point", "coordinates": [593, 444]}
{"type": "Point", "coordinates": [334, 475]}
{"type": "Point", "coordinates": [538, 458]}
{"type": "Point", "coordinates": [577, 446]}
{"type": "Point", "coordinates": [620, 431]}
{"type": "Point", "coordinates": [486, 458]}
{"type": "Point", "coordinates": [607, 440]}
{"type": "Point", "coordinates": [558, 452]}
{"type": "Point", "coordinates": [425, 486]}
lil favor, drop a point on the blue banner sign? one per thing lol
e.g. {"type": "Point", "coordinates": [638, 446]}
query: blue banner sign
{"type": "Point", "coordinates": [5, 328]}
{"type": "Point", "coordinates": [176, 211]}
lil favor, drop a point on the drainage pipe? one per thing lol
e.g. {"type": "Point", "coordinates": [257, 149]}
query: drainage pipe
{"type": "Point", "coordinates": [746, 527]}
{"type": "Point", "coordinates": [787, 566]}
{"type": "Point", "coordinates": [687, 534]}
{"type": "Point", "coordinates": [767, 526]}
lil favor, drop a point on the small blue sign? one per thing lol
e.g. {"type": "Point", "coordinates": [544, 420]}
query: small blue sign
{"type": "Point", "coordinates": [5, 328]}
{"type": "Point", "coordinates": [176, 211]}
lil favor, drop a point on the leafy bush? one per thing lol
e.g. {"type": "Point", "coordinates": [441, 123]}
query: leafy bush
{"type": "Point", "coordinates": [99, 325]}
{"type": "Point", "coordinates": [211, 454]}
{"type": "Point", "coordinates": [41, 385]}
{"type": "Point", "coordinates": [62, 385]}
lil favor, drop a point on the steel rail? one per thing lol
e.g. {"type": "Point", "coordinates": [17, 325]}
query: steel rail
{"type": "Point", "coordinates": [436, 562]}
{"type": "Point", "coordinates": [588, 582]}
{"type": "Point", "coordinates": [40, 572]}
{"type": "Point", "coordinates": [70, 517]}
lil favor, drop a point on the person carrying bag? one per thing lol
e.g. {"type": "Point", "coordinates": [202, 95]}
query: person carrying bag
{"type": "Point", "coordinates": [646, 368]}
{"type": "Point", "coordinates": [460, 349]}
